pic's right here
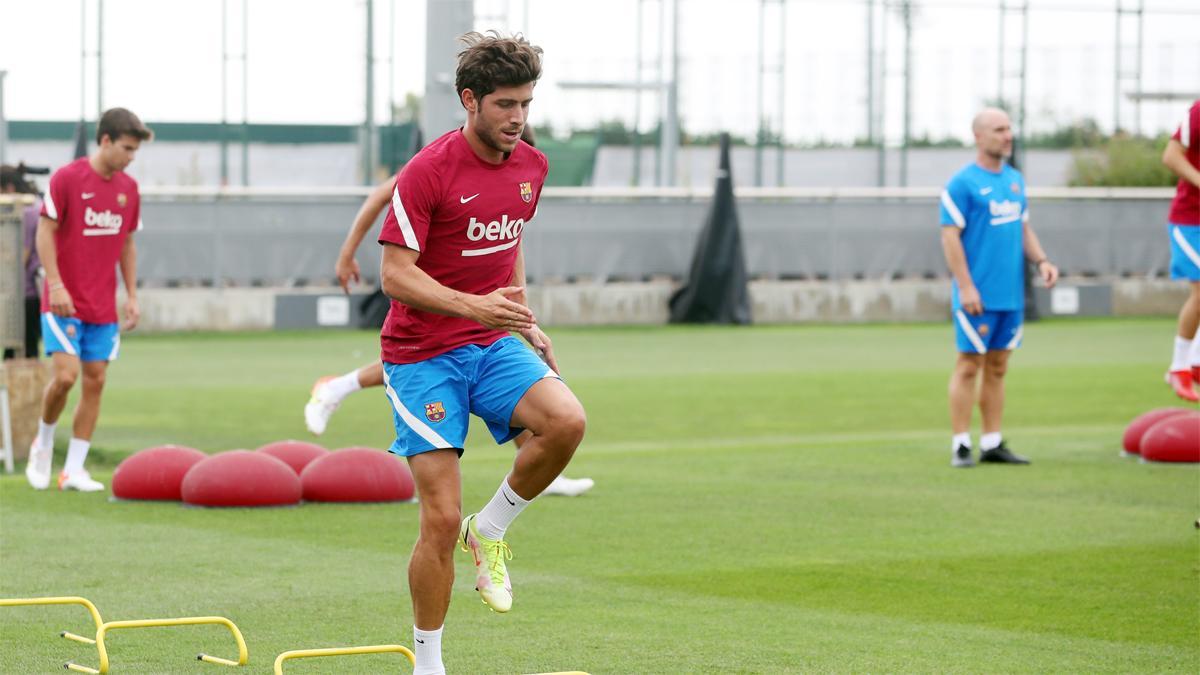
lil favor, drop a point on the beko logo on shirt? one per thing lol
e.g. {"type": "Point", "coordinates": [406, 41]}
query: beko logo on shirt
{"type": "Point", "coordinates": [1004, 212]}
{"type": "Point", "coordinates": [496, 230]}
{"type": "Point", "coordinates": [104, 222]}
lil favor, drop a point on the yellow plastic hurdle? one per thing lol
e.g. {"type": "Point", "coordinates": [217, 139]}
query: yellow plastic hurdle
{"type": "Point", "coordinates": [102, 631]}
{"type": "Point", "coordinates": [65, 600]}
{"type": "Point", "coordinates": [341, 651]}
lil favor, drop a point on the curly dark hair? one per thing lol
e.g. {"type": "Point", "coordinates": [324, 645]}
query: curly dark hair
{"type": "Point", "coordinates": [490, 61]}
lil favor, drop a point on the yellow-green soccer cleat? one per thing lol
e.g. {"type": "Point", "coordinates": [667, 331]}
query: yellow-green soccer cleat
{"type": "Point", "coordinates": [491, 575]}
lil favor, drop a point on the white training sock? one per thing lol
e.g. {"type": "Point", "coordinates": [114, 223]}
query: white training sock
{"type": "Point", "coordinates": [45, 434]}
{"type": "Point", "coordinates": [1194, 352]}
{"type": "Point", "coordinates": [989, 441]}
{"type": "Point", "coordinates": [428, 650]}
{"type": "Point", "coordinates": [1180, 360]}
{"type": "Point", "coordinates": [960, 439]}
{"type": "Point", "coordinates": [77, 452]}
{"type": "Point", "coordinates": [342, 386]}
{"type": "Point", "coordinates": [499, 513]}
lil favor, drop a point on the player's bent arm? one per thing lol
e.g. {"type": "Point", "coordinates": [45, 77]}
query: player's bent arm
{"type": "Point", "coordinates": [368, 213]}
{"type": "Point", "coordinates": [1175, 157]}
{"type": "Point", "coordinates": [404, 282]}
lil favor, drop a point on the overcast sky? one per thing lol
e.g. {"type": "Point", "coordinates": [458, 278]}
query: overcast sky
{"type": "Point", "coordinates": [306, 60]}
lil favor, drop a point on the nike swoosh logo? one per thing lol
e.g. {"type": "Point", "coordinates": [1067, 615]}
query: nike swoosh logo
{"type": "Point", "coordinates": [986, 191]}
{"type": "Point", "coordinates": [464, 200]}
{"type": "Point", "coordinates": [420, 641]}
{"type": "Point", "coordinates": [88, 195]}
{"type": "Point", "coordinates": [510, 502]}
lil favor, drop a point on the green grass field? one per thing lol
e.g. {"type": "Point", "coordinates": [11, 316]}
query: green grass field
{"type": "Point", "coordinates": [769, 499]}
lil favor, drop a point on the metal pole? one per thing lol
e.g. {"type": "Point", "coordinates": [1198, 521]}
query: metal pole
{"type": "Point", "coordinates": [82, 60]}
{"type": "Point", "coordinates": [881, 126]}
{"type": "Point", "coordinates": [670, 139]}
{"type": "Point", "coordinates": [758, 134]}
{"type": "Point", "coordinates": [1137, 104]}
{"type": "Point", "coordinates": [245, 92]}
{"type": "Point", "coordinates": [392, 62]}
{"type": "Point", "coordinates": [99, 59]}
{"type": "Point", "coordinates": [1000, 55]}
{"type": "Point", "coordinates": [662, 93]}
{"type": "Point", "coordinates": [369, 120]}
{"type": "Point", "coordinates": [1021, 133]}
{"type": "Point", "coordinates": [779, 159]}
{"type": "Point", "coordinates": [637, 96]}
{"type": "Point", "coordinates": [1117, 74]}
{"type": "Point", "coordinates": [906, 8]}
{"type": "Point", "coordinates": [3, 122]}
{"type": "Point", "coordinates": [870, 71]}
{"type": "Point", "coordinates": [224, 93]}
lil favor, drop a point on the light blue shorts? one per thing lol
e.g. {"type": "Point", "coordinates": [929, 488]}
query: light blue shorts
{"type": "Point", "coordinates": [432, 400]}
{"type": "Point", "coordinates": [1185, 251]}
{"type": "Point", "coordinates": [88, 341]}
{"type": "Point", "coordinates": [989, 331]}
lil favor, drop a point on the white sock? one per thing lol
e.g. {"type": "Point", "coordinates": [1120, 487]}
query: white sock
{"type": "Point", "coordinates": [960, 439]}
{"type": "Point", "coordinates": [499, 513]}
{"type": "Point", "coordinates": [989, 441]}
{"type": "Point", "coordinates": [45, 435]}
{"type": "Point", "coordinates": [77, 452]}
{"type": "Point", "coordinates": [428, 644]}
{"type": "Point", "coordinates": [1180, 360]}
{"type": "Point", "coordinates": [1194, 352]}
{"type": "Point", "coordinates": [341, 387]}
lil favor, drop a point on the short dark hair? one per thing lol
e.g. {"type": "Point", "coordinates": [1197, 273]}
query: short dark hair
{"type": "Point", "coordinates": [491, 61]}
{"type": "Point", "coordinates": [118, 122]}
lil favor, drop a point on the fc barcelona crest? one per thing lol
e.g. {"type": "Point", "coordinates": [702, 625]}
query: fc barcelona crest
{"type": "Point", "coordinates": [435, 412]}
{"type": "Point", "coordinates": [121, 199]}
{"type": "Point", "coordinates": [526, 192]}
{"type": "Point", "coordinates": [1015, 187]}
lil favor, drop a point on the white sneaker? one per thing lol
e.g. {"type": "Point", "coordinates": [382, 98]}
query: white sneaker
{"type": "Point", "coordinates": [320, 407]}
{"type": "Point", "coordinates": [80, 480]}
{"type": "Point", "coordinates": [37, 471]}
{"type": "Point", "coordinates": [569, 487]}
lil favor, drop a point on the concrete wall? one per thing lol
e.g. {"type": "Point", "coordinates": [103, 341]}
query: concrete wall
{"type": "Point", "coordinates": [645, 303]}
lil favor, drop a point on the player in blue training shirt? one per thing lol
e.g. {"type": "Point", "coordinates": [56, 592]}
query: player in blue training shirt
{"type": "Point", "coordinates": [987, 238]}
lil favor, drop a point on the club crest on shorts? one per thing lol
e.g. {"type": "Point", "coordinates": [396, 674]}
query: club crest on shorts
{"type": "Point", "coordinates": [983, 329]}
{"type": "Point", "coordinates": [70, 330]}
{"type": "Point", "coordinates": [435, 412]}
{"type": "Point", "coordinates": [526, 191]}
{"type": "Point", "coordinates": [122, 199]}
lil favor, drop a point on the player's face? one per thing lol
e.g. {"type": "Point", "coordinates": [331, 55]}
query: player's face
{"type": "Point", "coordinates": [996, 137]}
{"type": "Point", "coordinates": [119, 153]}
{"type": "Point", "coordinates": [499, 117]}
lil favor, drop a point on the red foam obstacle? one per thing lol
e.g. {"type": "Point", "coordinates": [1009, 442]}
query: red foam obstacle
{"type": "Point", "coordinates": [155, 473]}
{"type": "Point", "coordinates": [296, 454]}
{"type": "Point", "coordinates": [1174, 439]}
{"type": "Point", "coordinates": [241, 478]}
{"type": "Point", "coordinates": [357, 475]}
{"type": "Point", "coordinates": [1141, 424]}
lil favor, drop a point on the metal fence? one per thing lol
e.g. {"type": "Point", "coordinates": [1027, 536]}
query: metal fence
{"type": "Point", "coordinates": [291, 237]}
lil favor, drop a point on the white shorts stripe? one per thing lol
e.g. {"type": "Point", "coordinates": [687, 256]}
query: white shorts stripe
{"type": "Point", "coordinates": [952, 208]}
{"type": "Point", "coordinates": [410, 237]}
{"type": "Point", "coordinates": [52, 321]}
{"type": "Point", "coordinates": [1013, 343]}
{"type": "Point", "coordinates": [112, 356]}
{"type": "Point", "coordinates": [969, 330]}
{"type": "Point", "coordinates": [1190, 252]}
{"type": "Point", "coordinates": [411, 420]}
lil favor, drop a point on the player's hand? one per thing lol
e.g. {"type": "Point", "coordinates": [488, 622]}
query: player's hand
{"type": "Point", "coordinates": [971, 302]}
{"type": "Point", "coordinates": [1049, 273]}
{"type": "Point", "coordinates": [499, 310]}
{"type": "Point", "coordinates": [541, 342]}
{"type": "Point", "coordinates": [347, 271]}
{"type": "Point", "coordinates": [133, 313]}
{"type": "Point", "coordinates": [60, 300]}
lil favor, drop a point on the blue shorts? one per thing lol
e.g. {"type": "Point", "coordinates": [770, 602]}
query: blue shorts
{"type": "Point", "coordinates": [431, 399]}
{"type": "Point", "coordinates": [1185, 251]}
{"type": "Point", "coordinates": [88, 341]}
{"type": "Point", "coordinates": [990, 331]}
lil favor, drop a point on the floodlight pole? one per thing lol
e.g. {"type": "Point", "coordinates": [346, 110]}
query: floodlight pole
{"type": "Point", "coordinates": [99, 59]}
{"type": "Point", "coordinates": [670, 132]}
{"type": "Point", "coordinates": [246, 93]}
{"type": "Point", "coordinates": [3, 121]}
{"type": "Point", "coordinates": [224, 93]}
{"type": "Point", "coordinates": [369, 118]}
{"type": "Point", "coordinates": [906, 10]}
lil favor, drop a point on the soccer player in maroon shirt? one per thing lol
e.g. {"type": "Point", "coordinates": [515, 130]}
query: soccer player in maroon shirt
{"type": "Point", "coordinates": [329, 391]}
{"type": "Point", "coordinates": [1182, 156]}
{"type": "Point", "coordinates": [90, 212]}
{"type": "Point", "coordinates": [452, 264]}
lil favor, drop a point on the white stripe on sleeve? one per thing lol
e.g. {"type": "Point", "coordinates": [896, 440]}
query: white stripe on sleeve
{"type": "Point", "coordinates": [1185, 130]}
{"type": "Point", "coordinates": [410, 237]}
{"type": "Point", "coordinates": [952, 209]}
{"type": "Point", "coordinates": [51, 209]}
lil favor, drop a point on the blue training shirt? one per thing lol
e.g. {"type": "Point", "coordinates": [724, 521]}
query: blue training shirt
{"type": "Point", "coordinates": [991, 210]}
